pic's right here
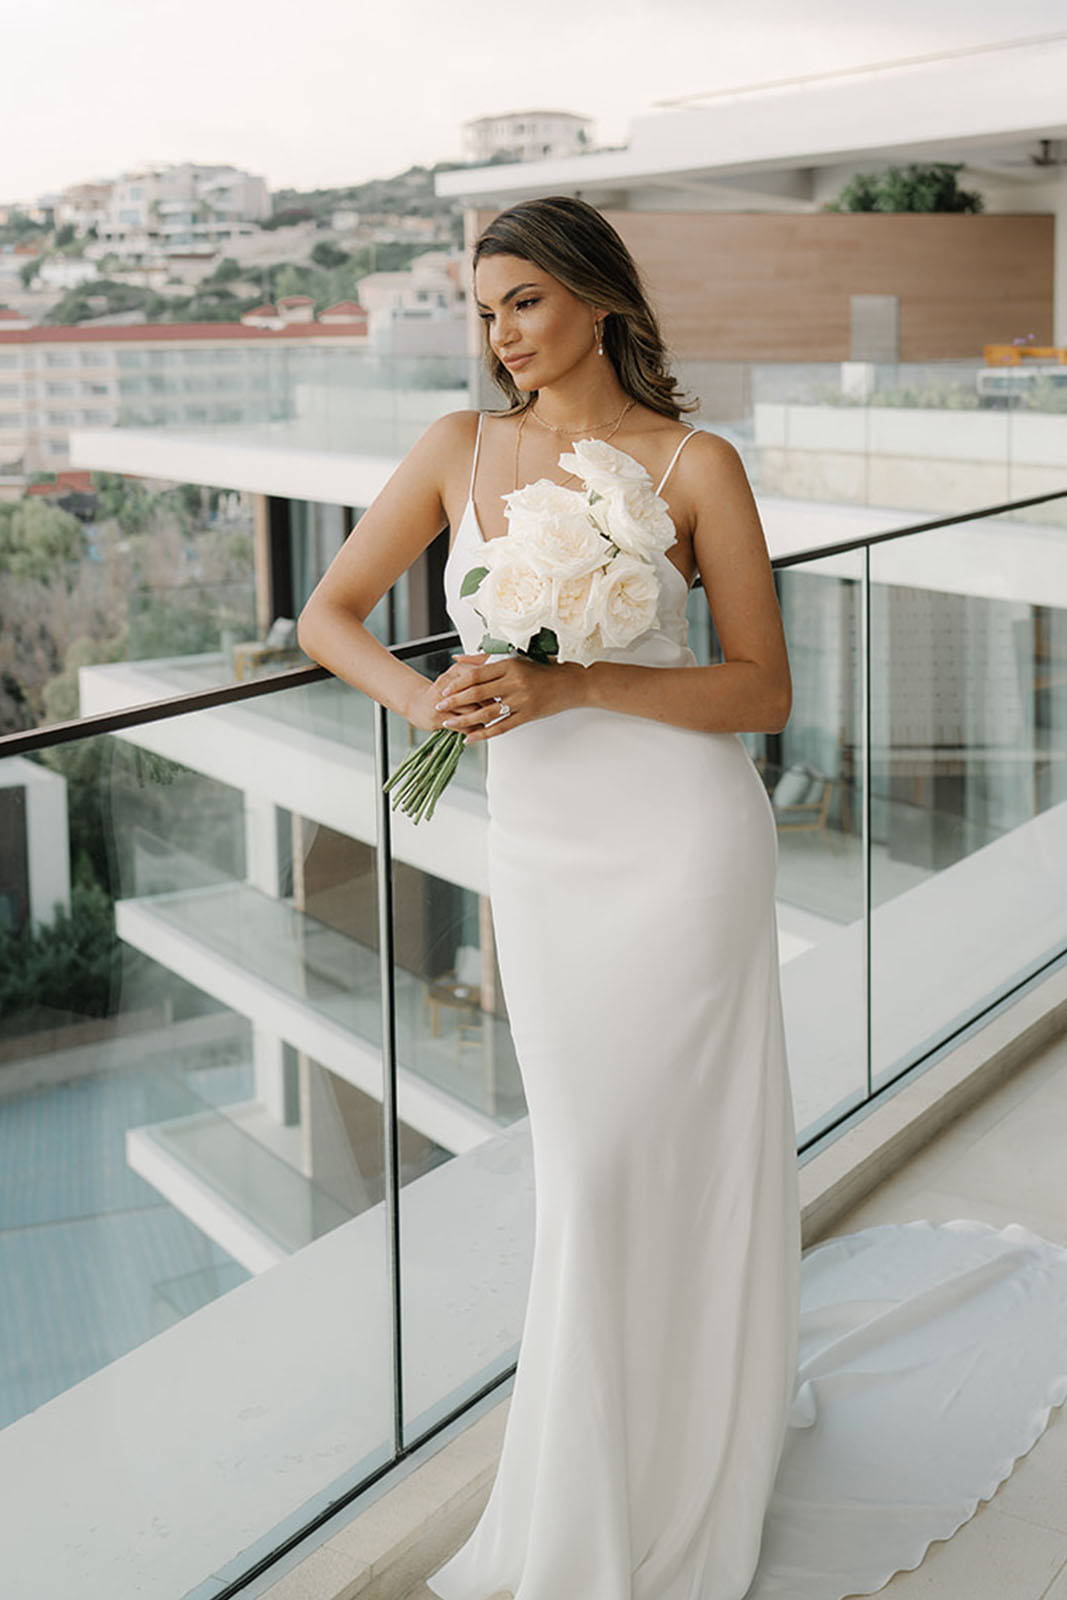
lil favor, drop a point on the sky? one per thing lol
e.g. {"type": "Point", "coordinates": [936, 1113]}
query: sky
{"type": "Point", "coordinates": [343, 92]}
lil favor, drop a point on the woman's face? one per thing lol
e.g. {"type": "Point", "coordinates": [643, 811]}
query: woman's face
{"type": "Point", "coordinates": [529, 313]}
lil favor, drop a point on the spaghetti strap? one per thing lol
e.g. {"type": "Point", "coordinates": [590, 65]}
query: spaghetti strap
{"type": "Point", "coordinates": [681, 446]}
{"type": "Point", "coordinates": [474, 458]}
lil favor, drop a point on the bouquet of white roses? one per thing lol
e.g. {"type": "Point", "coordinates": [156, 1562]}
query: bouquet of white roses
{"type": "Point", "coordinates": [574, 576]}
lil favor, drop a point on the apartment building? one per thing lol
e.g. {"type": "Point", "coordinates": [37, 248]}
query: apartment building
{"type": "Point", "coordinates": [526, 135]}
{"type": "Point", "coordinates": [175, 206]}
{"type": "Point", "coordinates": [54, 378]}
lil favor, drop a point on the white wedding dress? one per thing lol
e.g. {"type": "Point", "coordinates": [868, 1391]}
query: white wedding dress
{"type": "Point", "coordinates": [698, 1413]}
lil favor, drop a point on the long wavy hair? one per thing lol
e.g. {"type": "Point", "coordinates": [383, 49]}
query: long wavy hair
{"type": "Point", "coordinates": [569, 239]}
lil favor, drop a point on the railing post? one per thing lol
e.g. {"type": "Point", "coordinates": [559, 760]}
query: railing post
{"type": "Point", "coordinates": [865, 793]}
{"type": "Point", "coordinates": [390, 1142]}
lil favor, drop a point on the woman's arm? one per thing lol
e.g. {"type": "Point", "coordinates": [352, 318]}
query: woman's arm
{"type": "Point", "coordinates": [750, 691]}
{"type": "Point", "coordinates": [405, 517]}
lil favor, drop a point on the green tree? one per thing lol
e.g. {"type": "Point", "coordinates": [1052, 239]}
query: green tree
{"type": "Point", "coordinates": [327, 255]}
{"type": "Point", "coordinates": [73, 965]}
{"type": "Point", "coordinates": [931, 186]}
{"type": "Point", "coordinates": [228, 269]}
{"type": "Point", "coordinates": [38, 540]}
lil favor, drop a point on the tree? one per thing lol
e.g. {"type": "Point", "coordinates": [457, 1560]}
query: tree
{"type": "Point", "coordinates": [72, 966]}
{"type": "Point", "coordinates": [228, 269]}
{"type": "Point", "coordinates": [926, 187]}
{"type": "Point", "coordinates": [37, 538]}
{"type": "Point", "coordinates": [327, 255]}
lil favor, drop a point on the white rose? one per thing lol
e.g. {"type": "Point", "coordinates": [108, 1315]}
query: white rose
{"type": "Point", "coordinates": [527, 506]}
{"type": "Point", "coordinates": [625, 600]}
{"type": "Point", "coordinates": [570, 612]}
{"type": "Point", "coordinates": [601, 466]}
{"type": "Point", "coordinates": [514, 599]}
{"type": "Point", "coordinates": [564, 544]}
{"type": "Point", "coordinates": [635, 519]}
{"type": "Point", "coordinates": [583, 650]}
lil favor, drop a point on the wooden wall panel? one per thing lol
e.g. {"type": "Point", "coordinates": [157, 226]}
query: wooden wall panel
{"type": "Point", "coordinates": [756, 286]}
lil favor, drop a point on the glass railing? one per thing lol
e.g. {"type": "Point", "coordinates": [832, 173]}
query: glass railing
{"type": "Point", "coordinates": [929, 437]}
{"type": "Point", "coordinates": [257, 1087]}
{"type": "Point", "coordinates": [836, 451]}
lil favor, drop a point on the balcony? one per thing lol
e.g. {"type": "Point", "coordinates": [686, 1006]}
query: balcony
{"type": "Point", "coordinates": [271, 1192]}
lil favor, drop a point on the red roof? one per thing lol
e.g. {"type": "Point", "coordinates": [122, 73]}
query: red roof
{"type": "Point", "coordinates": [17, 316]}
{"type": "Point", "coordinates": [68, 478]}
{"type": "Point", "coordinates": [296, 300]}
{"type": "Point", "coordinates": [345, 305]}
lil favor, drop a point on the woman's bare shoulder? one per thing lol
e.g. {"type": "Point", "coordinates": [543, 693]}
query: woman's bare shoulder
{"type": "Point", "coordinates": [447, 440]}
{"type": "Point", "coordinates": [453, 427]}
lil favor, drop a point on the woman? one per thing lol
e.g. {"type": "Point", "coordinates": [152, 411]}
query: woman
{"type": "Point", "coordinates": [632, 855]}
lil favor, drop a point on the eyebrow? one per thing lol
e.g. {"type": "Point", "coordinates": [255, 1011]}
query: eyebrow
{"type": "Point", "coordinates": [511, 293]}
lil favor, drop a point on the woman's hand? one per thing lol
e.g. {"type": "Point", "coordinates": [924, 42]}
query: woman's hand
{"type": "Point", "coordinates": [467, 693]}
{"type": "Point", "coordinates": [421, 710]}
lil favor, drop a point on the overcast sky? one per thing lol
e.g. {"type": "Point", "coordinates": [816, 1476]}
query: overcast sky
{"type": "Point", "coordinates": [330, 93]}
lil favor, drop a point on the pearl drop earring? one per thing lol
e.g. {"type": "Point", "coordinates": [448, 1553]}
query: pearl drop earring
{"type": "Point", "coordinates": [599, 326]}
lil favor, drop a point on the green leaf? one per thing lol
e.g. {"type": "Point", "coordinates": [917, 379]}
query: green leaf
{"type": "Point", "coordinates": [496, 647]}
{"type": "Point", "coordinates": [545, 642]}
{"type": "Point", "coordinates": [472, 580]}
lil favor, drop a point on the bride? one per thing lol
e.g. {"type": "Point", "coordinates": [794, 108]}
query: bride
{"type": "Point", "coordinates": [698, 1413]}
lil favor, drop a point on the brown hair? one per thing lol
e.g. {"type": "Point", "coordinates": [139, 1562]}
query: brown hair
{"type": "Point", "coordinates": [570, 239]}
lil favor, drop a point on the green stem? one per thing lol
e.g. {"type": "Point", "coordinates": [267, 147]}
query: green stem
{"type": "Point", "coordinates": [413, 758]}
{"type": "Point", "coordinates": [433, 756]}
{"type": "Point", "coordinates": [445, 780]}
{"type": "Point", "coordinates": [434, 778]}
{"type": "Point", "coordinates": [438, 775]}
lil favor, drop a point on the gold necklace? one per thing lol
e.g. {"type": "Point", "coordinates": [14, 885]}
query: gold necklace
{"type": "Point", "coordinates": [522, 424]}
{"type": "Point", "coordinates": [583, 427]}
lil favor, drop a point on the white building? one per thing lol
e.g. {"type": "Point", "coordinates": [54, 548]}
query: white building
{"type": "Point", "coordinates": [165, 208]}
{"type": "Point", "coordinates": [790, 146]}
{"type": "Point", "coordinates": [421, 310]}
{"type": "Point", "coordinates": [85, 205]}
{"type": "Point", "coordinates": [183, 375]}
{"type": "Point", "coordinates": [526, 135]}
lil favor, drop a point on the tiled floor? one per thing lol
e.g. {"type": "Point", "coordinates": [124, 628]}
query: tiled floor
{"type": "Point", "coordinates": [1002, 1162]}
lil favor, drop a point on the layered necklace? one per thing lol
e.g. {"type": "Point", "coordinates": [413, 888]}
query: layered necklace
{"type": "Point", "coordinates": [570, 432]}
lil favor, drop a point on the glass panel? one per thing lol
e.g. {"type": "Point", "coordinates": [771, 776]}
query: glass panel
{"type": "Point", "coordinates": [885, 435]}
{"type": "Point", "coordinates": [813, 772]}
{"type": "Point", "coordinates": [192, 1236]}
{"type": "Point", "coordinates": [969, 772]}
{"type": "Point", "coordinates": [467, 1203]}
